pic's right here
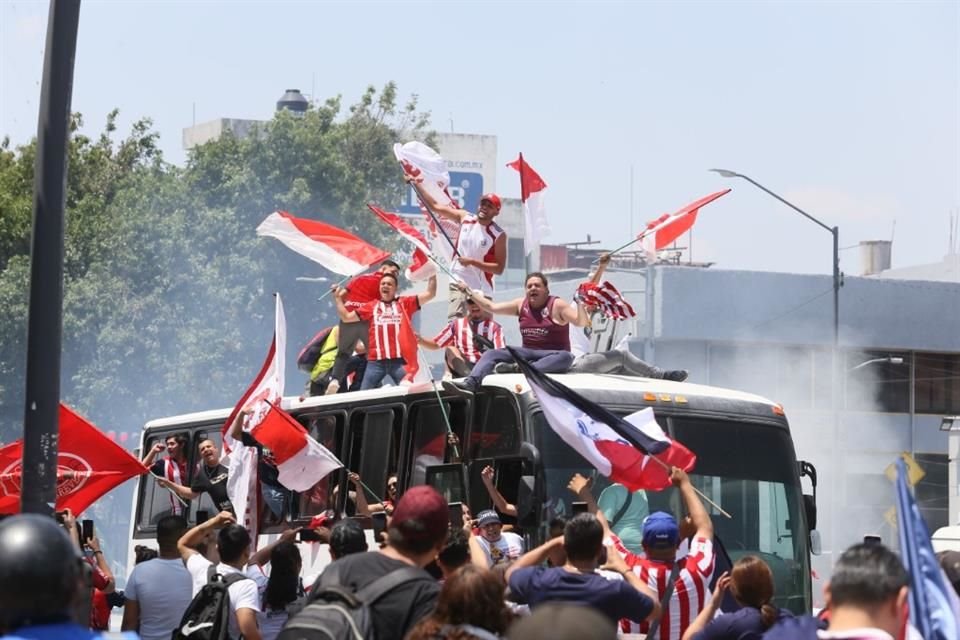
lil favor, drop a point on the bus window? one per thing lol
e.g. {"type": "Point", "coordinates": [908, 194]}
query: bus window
{"type": "Point", "coordinates": [496, 427]}
{"type": "Point", "coordinates": [748, 470]}
{"type": "Point", "coordinates": [429, 435]}
{"type": "Point", "coordinates": [326, 429]}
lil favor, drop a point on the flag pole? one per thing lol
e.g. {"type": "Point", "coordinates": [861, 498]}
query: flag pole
{"type": "Point", "coordinates": [443, 410]}
{"type": "Point", "coordinates": [436, 221]}
{"type": "Point", "coordinates": [172, 492]}
{"type": "Point", "coordinates": [698, 492]}
{"type": "Point", "coordinates": [338, 285]}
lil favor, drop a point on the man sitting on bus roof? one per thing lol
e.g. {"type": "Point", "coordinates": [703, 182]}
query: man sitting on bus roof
{"type": "Point", "coordinates": [211, 477]}
{"type": "Point", "coordinates": [544, 321]}
{"type": "Point", "coordinates": [465, 339]}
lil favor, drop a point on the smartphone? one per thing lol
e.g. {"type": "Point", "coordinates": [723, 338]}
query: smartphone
{"type": "Point", "coordinates": [60, 517]}
{"type": "Point", "coordinates": [456, 515]}
{"type": "Point", "coordinates": [872, 540]}
{"type": "Point", "coordinates": [579, 507]}
{"type": "Point", "coordinates": [379, 525]}
{"type": "Point", "coordinates": [86, 530]}
{"type": "Point", "coordinates": [309, 535]}
{"type": "Point", "coordinates": [202, 516]}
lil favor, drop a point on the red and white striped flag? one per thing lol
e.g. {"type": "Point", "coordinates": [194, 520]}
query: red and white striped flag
{"type": "Point", "coordinates": [301, 460]}
{"type": "Point", "coordinates": [532, 192]}
{"type": "Point", "coordinates": [325, 244]}
{"type": "Point", "coordinates": [606, 298]}
{"type": "Point", "coordinates": [421, 267]}
{"type": "Point", "coordinates": [267, 389]}
{"type": "Point", "coordinates": [664, 230]}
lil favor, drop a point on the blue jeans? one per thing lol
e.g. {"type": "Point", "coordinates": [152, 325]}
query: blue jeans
{"type": "Point", "coordinates": [542, 360]}
{"type": "Point", "coordinates": [377, 370]}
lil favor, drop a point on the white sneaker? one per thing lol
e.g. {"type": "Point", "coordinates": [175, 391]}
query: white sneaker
{"type": "Point", "coordinates": [332, 387]}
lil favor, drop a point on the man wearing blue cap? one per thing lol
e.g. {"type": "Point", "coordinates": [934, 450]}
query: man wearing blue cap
{"type": "Point", "coordinates": [690, 575]}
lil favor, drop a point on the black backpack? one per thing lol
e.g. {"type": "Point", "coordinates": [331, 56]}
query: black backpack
{"type": "Point", "coordinates": [336, 612]}
{"type": "Point", "coordinates": [208, 616]}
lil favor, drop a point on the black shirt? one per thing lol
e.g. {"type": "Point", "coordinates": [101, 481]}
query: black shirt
{"type": "Point", "coordinates": [400, 609]}
{"type": "Point", "coordinates": [213, 480]}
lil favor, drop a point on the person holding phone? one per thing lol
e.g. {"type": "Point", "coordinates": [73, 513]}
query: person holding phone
{"type": "Point", "coordinates": [104, 582]}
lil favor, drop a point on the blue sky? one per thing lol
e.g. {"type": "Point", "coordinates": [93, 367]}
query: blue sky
{"type": "Point", "coordinates": [848, 109]}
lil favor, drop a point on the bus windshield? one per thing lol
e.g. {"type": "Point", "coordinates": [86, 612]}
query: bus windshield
{"type": "Point", "coordinates": [746, 468]}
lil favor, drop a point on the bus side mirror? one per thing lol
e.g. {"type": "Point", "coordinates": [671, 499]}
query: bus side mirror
{"type": "Point", "coordinates": [810, 508]}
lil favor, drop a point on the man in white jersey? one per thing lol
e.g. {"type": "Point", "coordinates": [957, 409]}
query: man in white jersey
{"type": "Point", "coordinates": [481, 247]}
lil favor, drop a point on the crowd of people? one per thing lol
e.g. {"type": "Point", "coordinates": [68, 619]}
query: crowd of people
{"type": "Point", "coordinates": [364, 349]}
{"type": "Point", "coordinates": [432, 578]}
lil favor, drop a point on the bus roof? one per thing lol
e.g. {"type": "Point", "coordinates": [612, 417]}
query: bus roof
{"type": "Point", "coordinates": [514, 383]}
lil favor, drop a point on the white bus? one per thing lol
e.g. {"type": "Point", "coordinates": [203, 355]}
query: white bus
{"type": "Point", "coordinates": [745, 461]}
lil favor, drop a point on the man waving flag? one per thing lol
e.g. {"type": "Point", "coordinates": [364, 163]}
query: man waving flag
{"type": "Point", "coordinates": [623, 449]}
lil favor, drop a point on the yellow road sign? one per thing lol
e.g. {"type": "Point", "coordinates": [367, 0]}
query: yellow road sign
{"type": "Point", "coordinates": [915, 472]}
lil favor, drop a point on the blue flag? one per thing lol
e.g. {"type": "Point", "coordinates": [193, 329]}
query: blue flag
{"type": "Point", "coordinates": [931, 605]}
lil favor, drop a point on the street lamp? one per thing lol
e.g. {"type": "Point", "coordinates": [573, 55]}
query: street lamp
{"type": "Point", "coordinates": [888, 359]}
{"type": "Point", "coordinates": [835, 231]}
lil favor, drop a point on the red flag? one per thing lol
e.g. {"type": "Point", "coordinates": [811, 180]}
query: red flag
{"type": "Point", "coordinates": [532, 189]}
{"type": "Point", "coordinates": [89, 464]}
{"type": "Point", "coordinates": [422, 268]}
{"type": "Point", "coordinates": [334, 248]}
{"type": "Point", "coordinates": [409, 347]}
{"type": "Point", "coordinates": [664, 230]}
{"type": "Point", "coordinates": [301, 460]}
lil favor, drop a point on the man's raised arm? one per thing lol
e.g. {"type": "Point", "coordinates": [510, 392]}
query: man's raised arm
{"type": "Point", "coordinates": [442, 210]}
{"type": "Point", "coordinates": [696, 510]}
{"type": "Point", "coordinates": [507, 308]}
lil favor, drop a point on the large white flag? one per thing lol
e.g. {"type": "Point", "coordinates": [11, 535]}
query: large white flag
{"type": "Point", "coordinates": [267, 389]}
{"type": "Point", "coordinates": [425, 164]}
{"type": "Point", "coordinates": [532, 191]}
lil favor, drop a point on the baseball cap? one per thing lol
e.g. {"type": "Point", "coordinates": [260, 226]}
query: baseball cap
{"type": "Point", "coordinates": [493, 198]}
{"type": "Point", "coordinates": [660, 531]}
{"type": "Point", "coordinates": [950, 563]}
{"type": "Point", "coordinates": [489, 516]}
{"type": "Point", "coordinates": [421, 514]}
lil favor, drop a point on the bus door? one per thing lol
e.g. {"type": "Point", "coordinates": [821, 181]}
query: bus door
{"type": "Point", "coordinates": [328, 429]}
{"type": "Point", "coordinates": [427, 440]}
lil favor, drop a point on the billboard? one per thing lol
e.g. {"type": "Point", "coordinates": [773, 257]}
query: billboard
{"type": "Point", "coordinates": [471, 160]}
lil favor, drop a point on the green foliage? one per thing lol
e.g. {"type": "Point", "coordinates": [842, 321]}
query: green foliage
{"type": "Point", "coordinates": [167, 304]}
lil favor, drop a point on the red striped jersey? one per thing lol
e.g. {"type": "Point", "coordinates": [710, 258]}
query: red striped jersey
{"type": "Point", "coordinates": [690, 594]}
{"type": "Point", "coordinates": [386, 319]}
{"type": "Point", "coordinates": [476, 241]}
{"type": "Point", "coordinates": [459, 332]}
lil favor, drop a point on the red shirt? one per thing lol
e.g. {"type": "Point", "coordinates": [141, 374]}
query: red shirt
{"type": "Point", "coordinates": [460, 332]}
{"type": "Point", "coordinates": [361, 290]}
{"type": "Point", "coordinates": [386, 318]}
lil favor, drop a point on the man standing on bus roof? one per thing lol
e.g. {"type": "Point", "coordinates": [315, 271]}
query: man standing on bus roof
{"type": "Point", "coordinates": [356, 293]}
{"type": "Point", "coordinates": [211, 477]}
{"type": "Point", "coordinates": [481, 247]}
{"type": "Point", "coordinates": [543, 329]}
{"type": "Point", "coordinates": [173, 467]}
{"type": "Point", "coordinates": [386, 317]}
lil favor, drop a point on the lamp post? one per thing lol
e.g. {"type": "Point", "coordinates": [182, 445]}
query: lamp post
{"type": "Point", "coordinates": [834, 231]}
{"type": "Point", "coordinates": [888, 360]}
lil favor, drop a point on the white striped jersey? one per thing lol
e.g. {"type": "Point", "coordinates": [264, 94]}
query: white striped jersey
{"type": "Point", "coordinates": [387, 320]}
{"type": "Point", "coordinates": [690, 594]}
{"type": "Point", "coordinates": [459, 332]}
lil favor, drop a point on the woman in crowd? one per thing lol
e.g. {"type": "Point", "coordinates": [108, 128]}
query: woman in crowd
{"type": "Point", "coordinates": [470, 607]}
{"type": "Point", "coordinates": [751, 585]}
{"type": "Point", "coordinates": [283, 587]}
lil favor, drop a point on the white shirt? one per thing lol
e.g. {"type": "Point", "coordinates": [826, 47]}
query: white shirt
{"type": "Point", "coordinates": [476, 241]}
{"type": "Point", "coordinates": [243, 594]}
{"type": "Point", "coordinates": [162, 590]}
{"type": "Point", "coordinates": [508, 547]}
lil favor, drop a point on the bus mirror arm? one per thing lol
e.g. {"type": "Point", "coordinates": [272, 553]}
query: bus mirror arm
{"type": "Point", "coordinates": [530, 453]}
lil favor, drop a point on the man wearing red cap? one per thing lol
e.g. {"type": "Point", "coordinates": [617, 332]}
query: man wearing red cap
{"type": "Point", "coordinates": [416, 534]}
{"type": "Point", "coordinates": [481, 246]}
